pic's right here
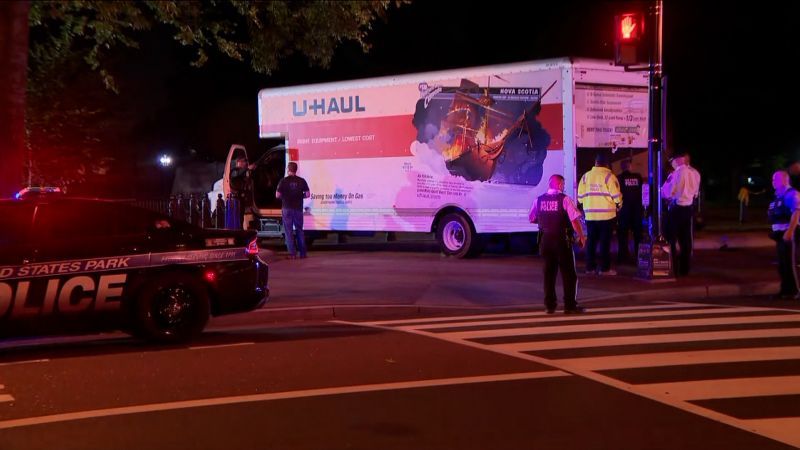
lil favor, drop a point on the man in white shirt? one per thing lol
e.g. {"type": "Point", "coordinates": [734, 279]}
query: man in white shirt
{"type": "Point", "coordinates": [680, 190]}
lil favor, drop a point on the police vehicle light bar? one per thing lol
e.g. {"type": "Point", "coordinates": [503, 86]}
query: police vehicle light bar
{"type": "Point", "coordinates": [37, 190]}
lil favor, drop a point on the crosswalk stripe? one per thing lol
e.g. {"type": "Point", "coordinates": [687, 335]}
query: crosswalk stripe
{"type": "Point", "coordinates": [6, 398]}
{"type": "Point", "coordinates": [579, 328]}
{"type": "Point", "coordinates": [783, 429]}
{"type": "Point", "coordinates": [653, 328]}
{"type": "Point", "coordinates": [554, 319]}
{"type": "Point", "coordinates": [681, 358]}
{"type": "Point", "coordinates": [650, 339]}
{"type": "Point", "coordinates": [431, 320]}
{"type": "Point", "coordinates": [731, 388]}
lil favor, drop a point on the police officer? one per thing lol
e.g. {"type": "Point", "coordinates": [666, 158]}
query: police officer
{"type": "Point", "coordinates": [784, 212]}
{"type": "Point", "coordinates": [680, 190]}
{"type": "Point", "coordinates": [557, 217]}
{"type": "Point", "coordinates": [630, 215]}
{"type": "Point", "coordinates": [599, 194]}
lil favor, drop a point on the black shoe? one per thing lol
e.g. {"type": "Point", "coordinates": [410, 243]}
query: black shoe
{"type": "Point", "coordinates": [578, 309]}
{"type": "Point", "coordinates": [549, 310]}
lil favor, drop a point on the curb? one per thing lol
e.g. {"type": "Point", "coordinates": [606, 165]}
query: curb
{"type": "Point", "coordinates": [399, 311]}
{"type": "Point", "coordinates": [388, 312]}
{"type": "Point", "coordinates": [697, 292]}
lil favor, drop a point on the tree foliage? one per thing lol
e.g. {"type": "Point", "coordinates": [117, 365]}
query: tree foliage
{"type": "Point", "coordinates": [70, 39]}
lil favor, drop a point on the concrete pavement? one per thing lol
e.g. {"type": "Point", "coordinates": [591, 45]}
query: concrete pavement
{"type": "Point", "coordinates": [410, 276]}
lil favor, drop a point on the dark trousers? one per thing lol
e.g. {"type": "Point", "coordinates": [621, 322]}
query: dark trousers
{"type": "Point", "coordinates": [678, 231]}
{"type": "Point", "coordinates": [629, 222]}
{"type": "Point", "coordinates": [599, 233]}
{"type": "Point", "coordinates": [787, 262]}
{"type": "Point", "coordinates": [557, 253]}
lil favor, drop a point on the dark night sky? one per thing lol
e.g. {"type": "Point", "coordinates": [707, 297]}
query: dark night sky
{"type": "Point", "coordinates": [731, 92]}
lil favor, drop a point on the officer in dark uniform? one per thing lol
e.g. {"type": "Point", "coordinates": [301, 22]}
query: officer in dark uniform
{"type": "Point", "coordinates": [630, 215]}
{"type": "Point", "coordinates": [784, 213]}
{"type": "Point", "coordinates": [557, 217]}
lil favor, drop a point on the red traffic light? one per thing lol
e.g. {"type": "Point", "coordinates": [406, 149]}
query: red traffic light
{"type": "Point", "coordinates": [630, 27]}
{"type": "Point", "coordinates": [629, 39]}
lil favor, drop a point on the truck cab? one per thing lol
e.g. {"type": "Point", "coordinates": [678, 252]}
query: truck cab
{"type": "Point", "coordinates": [252, 176]}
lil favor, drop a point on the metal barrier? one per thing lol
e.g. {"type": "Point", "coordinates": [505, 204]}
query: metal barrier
{"type": "Point", "coordinates": [196, 209]}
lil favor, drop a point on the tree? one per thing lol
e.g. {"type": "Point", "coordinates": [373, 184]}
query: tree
{"type": "Point", "coordinates": [14, 55]}
{"type": "Point", "coordinates": [70, 39]}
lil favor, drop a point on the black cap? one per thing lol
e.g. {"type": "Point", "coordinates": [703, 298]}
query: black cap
{"type": "Point", "coordinates": [678, 154]}
{"type": "Point", "coordinates": [601, 159]}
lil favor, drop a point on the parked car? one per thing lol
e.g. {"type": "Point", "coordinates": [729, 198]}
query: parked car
{"type": "Point", "coordinates": [74, 265]}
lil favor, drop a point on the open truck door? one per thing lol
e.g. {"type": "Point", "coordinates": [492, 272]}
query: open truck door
{"type": "Point", "coordinates": [262, 211]}
{"type": "Point", "coordinates": [235, 153]}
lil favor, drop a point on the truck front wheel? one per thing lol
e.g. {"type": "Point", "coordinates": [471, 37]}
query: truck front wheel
{"type": "Point", "coordinates": [456, 236]}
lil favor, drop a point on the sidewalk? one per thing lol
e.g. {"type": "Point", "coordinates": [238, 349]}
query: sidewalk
{"type": "Point", "coordinates": [409, 276]}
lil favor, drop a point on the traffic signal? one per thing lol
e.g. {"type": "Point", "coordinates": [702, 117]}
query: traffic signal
{"type": "Point", "coordinates": [630, 45]}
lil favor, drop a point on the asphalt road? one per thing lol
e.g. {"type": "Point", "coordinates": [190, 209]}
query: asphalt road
{"type": "Point", "coordinates": [645, 376]}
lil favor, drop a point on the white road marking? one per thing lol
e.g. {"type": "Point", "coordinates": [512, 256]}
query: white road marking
{"type": "Point", "coordinates": [727, 388]}
{"type": "Point", "coordinates": [681, 358]}
{"type": "Point", "coordinates": [567, 318]}
{"type": "Point", "coordinates": [30, 361]}
{"type": "Point", "coordinates": [4, 398]}
{"type": "Point", "coordinates": [652, 339]}
{"type": "Point", "coordinates": [153, 407]}
{"type": "Point", "coordinates": [532, 331]}
{"type": "Point", "coordinates": [785, 430]}
{"type": "Point", "coordinates": [443, 320]}
{"type": "Point", "coordinates": [204, 347]}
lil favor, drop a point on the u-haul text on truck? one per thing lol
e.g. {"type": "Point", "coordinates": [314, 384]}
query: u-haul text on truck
{"type": "Point", "coordinates": [460, 152]}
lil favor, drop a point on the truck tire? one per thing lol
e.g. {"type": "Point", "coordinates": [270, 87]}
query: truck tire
{"type": "Point", "coordinates": [456, 236]}
{"type": "Point", "coordinates": [172, 308]}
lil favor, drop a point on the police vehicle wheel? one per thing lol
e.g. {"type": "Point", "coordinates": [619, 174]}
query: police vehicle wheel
{"type": "Point", "coordinates": [456, 236]}
{"type": "Point", "coordinates": [172, 308]}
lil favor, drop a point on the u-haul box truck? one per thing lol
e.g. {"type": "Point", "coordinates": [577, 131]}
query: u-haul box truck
{"type": "Point", "coordinates": [460, 153]}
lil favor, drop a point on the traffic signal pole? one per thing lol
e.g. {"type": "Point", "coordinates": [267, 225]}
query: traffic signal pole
{"type": "Point", "coordinates": [655, 138]}
{"type": "Point", "coordinates": [655, 257]}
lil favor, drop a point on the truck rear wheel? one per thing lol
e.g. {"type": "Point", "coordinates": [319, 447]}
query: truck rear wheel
{"type": "Point", "coordinates": [456, 236]}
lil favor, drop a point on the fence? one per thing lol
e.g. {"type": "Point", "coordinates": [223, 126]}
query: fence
{"type": "Point", "coordinates": [196, 209]}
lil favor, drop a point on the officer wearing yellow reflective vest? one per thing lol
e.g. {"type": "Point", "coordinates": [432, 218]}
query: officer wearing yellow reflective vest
{"type": "Point", "coordinates": [598, 192]}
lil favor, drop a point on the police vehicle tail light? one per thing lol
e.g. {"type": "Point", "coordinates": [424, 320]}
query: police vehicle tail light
{"type": "Point", "coordinates": [252, 247]}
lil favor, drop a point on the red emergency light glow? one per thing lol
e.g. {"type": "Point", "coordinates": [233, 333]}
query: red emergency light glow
{"type": "Point", "coordinates": [210, 276]}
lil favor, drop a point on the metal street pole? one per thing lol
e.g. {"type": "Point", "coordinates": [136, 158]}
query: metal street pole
{"type": "Point", "coordinates": [655, 259]}
{"type": "Point", "coordinates": [655, 128]}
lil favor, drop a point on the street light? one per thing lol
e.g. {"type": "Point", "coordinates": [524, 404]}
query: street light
{"type": "Point", "coordinates": [165, 160]}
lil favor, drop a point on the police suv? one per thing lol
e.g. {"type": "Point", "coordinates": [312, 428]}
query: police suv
{"type": "Point", "coordinates": [72, 265]}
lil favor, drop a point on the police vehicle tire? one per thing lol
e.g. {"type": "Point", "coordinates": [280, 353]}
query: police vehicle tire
{"type": "Point", "coordinates": [174, 307]}
{"type": "Point", "coordinates": [456, 237]}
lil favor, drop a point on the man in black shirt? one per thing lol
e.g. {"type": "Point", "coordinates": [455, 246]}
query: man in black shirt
{"type": "Point", "coordinates": [292, 190]}
{"type": "Point", "coordinates": [630, 215]}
